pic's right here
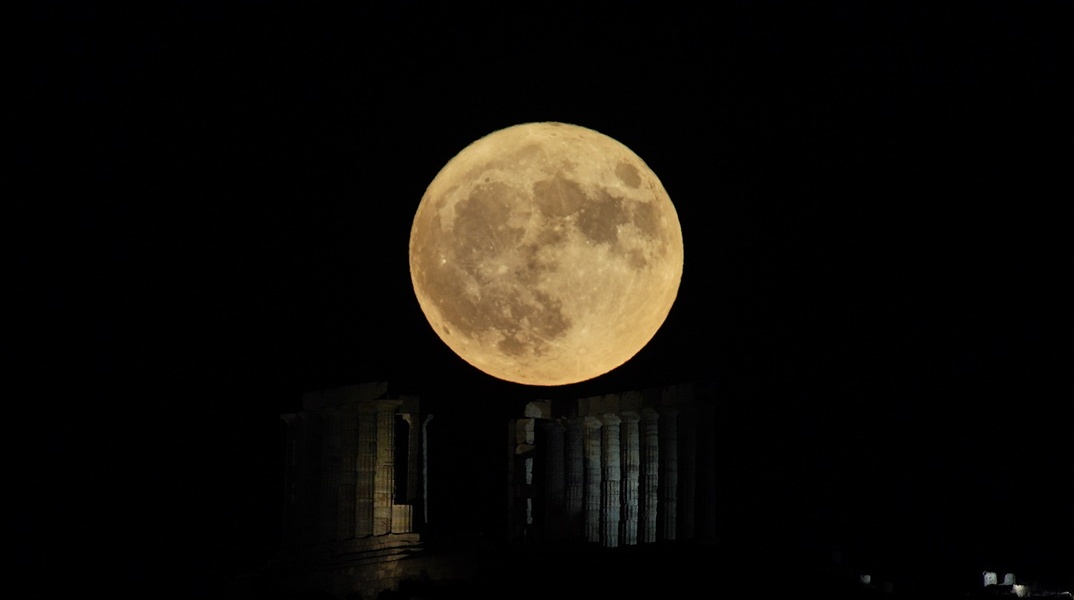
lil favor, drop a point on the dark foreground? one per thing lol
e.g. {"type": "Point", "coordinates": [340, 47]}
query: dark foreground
{"type": "Point", "coordinates": [537, 572]}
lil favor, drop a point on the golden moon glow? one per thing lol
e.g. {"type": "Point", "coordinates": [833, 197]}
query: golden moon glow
{"type": "Point", "coordinates": [546, 254]}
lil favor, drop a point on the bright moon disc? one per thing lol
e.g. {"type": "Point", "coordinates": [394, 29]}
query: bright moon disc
{"type": "Point", "coordinates": [546, 254]}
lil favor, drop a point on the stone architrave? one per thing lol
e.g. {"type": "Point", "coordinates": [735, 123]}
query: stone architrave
{"type": "Point", "coordinates": [384, 478]}
{"type": "Point", "coordinates": [630, 450]}
{"type": "Point", "coordinates": [591, 426]}
{"type": "Point", "coordinates": [611, 470]}
{"type": "Point", "coordinates": [367, 468]}
{"type": "Point", "coordinates": [650, 474]}
{"type": "Point", "coordinates": [669, 470]}
{"type": "Point", "coordinates": [575, 465]}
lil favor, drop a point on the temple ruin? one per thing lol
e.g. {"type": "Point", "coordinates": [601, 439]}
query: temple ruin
{"type": "Point", "coordinates": [631, 469]}
{"type": "Point", "coordinates": [617, 470]}
{"type": "Point", "coordinates": [353, 468]}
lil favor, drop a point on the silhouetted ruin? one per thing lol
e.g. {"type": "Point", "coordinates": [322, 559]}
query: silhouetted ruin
{"type": "Point", "coordinates": [627, 469]}
{"type": "Point", "coordinates": [609, 494]}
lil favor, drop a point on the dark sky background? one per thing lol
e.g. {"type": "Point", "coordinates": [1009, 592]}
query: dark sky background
{"type": "Point", "coordinates": [213, 207]}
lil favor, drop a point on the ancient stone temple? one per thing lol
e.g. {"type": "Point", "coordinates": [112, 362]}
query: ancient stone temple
{"type": "Point", "coordinates": [622, 469]}
{"type": "Point", "coordinates": [354, 494]}
{"type": "Point", "coordinates": [353, 468]}
{"type": "Point", "coordinates": [600, 474]}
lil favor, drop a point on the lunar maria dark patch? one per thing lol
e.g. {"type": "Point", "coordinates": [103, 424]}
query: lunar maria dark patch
{"type": "Point", "coordinates": [628, 174]}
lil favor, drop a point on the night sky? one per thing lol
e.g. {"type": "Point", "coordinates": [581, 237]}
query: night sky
{"type": "Point", "coordinates": [213, 204]}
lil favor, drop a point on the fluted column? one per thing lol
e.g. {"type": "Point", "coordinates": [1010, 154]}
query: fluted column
{"type": "Point", "coordinates": [591, 426]}
{"type": "Point", "coordinates": [629, 449]}
{"type": "Point", "coordinates": [366, 469]}
{"type": "Point", "coordinates": [650, 474]}
{"type": "Point", "coordinates": [669, 471]}
{"type": "Point", "coordinates": [610, 483]}
{"type": "Point", "coordinates": [575, 492]}
{"type": "Point", "coordinates": [554, 488]}
{"type": "Point", "coordinates": [384, 478]}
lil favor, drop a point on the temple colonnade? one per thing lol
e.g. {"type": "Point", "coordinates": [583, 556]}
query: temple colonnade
{"type": "Point", "coordinates": [354, 466]}
{"type": "Point", "coordinates": [615, 470]}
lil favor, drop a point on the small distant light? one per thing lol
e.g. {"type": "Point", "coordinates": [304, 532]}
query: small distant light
{"type": "Point", "coordinates": [866, 579]}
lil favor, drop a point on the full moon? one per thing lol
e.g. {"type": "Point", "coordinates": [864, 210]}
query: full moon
{"type": "Point", "coordinates": [546, 254]}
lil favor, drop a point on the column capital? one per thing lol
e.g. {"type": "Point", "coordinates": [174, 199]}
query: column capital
{"type": "Point", "coordinates": [629, 416]}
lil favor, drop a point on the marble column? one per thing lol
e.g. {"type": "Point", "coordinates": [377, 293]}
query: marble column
{"type": "Point", "coordinates": [366, 469]}
{"type": "Point", "coordinates": [630, 450]}
{"type": "Point", "coordinates": [575, 465]}
{"type": "Point", "coordinates": [527, 439]}
{"type": "Point", "coordinates": [650, 474]}
{"type": "Point", "coordinates": [611, 470]}
{"type": "Point", "coordinates": [669, 471]}
{"type": "Point", "coordinates": [384, 477]}
{"type": "Point", "coordinates": [591, 425]}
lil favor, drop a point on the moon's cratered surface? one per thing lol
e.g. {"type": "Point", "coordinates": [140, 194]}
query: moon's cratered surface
{"type": "Point", "coordinates": [546, 254]}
